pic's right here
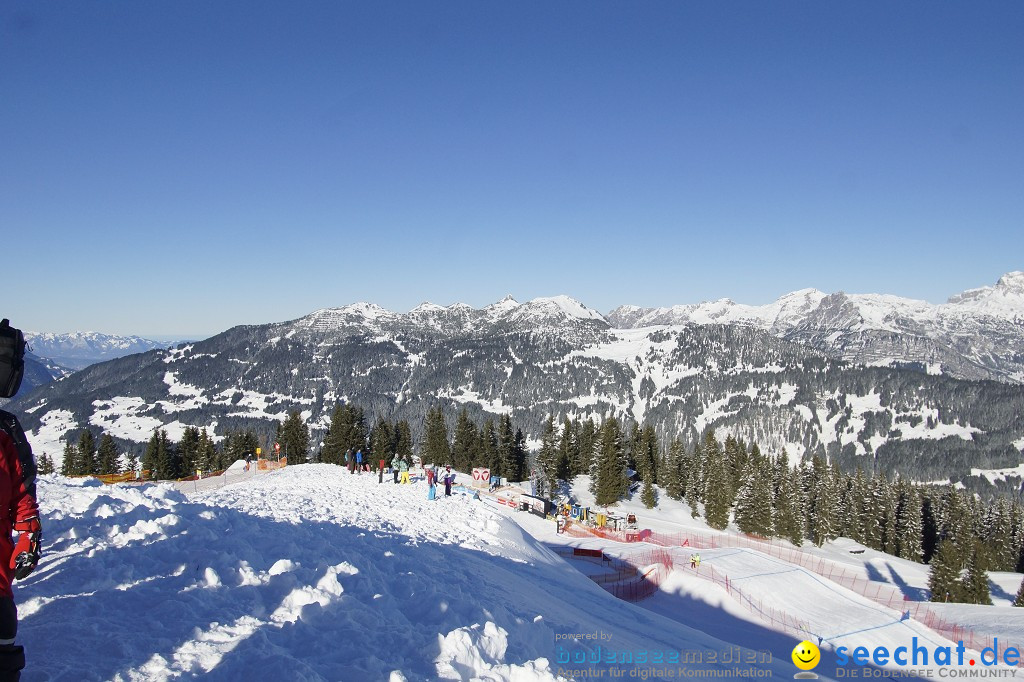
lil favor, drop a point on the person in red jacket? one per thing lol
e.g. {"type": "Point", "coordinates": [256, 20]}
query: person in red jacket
{"type": "Point", "coordinates": [18, 509]}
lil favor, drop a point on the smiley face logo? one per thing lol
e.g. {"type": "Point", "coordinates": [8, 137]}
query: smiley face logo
{"type": "Point", "coordinates": [806, 655]}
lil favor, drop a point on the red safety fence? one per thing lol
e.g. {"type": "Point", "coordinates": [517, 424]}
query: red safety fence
{"type": "Point", "coordinates": [884, 594]}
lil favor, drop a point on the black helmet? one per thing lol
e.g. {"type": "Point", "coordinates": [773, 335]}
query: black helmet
{"type": "Point", "coordinates": [12, 359]}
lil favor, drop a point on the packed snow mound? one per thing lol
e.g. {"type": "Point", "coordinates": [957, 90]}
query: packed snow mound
{"type": "Point", "coordinates": [307, 573]}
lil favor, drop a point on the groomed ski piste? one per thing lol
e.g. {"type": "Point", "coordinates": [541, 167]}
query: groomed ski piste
{"type": "Point", "coordinates": [313, 573]}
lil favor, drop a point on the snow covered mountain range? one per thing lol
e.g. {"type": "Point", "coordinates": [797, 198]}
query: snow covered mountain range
{"type": "Point", "coordinates": [768, 375]}
{"type": "Point", "coordinates": [978, 334]}
{"type": "Point", "coordinates": [81, 349]}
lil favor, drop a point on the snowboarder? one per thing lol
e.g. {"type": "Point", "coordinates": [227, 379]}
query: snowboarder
{"type": "Point", "coordinates": [449, 478]}
{"type": "Point", "coordinates": [17, 501]}
{"type": "Point", "coordinates": [403, 469]}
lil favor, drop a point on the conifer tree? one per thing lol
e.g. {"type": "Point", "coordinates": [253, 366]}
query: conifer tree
{"type": "Point", "coordinates": [131, 463]}
{"type": "Point", "coordinates": [712, 450]}
{"type": "Point", "coordinates": [873, 515]}
{"type": "Point", "coordinates": [87, 464]}
{"type": "Point", "coordinates": [695, 482]}
{"type": "Point", "coordinates": [1019, 599]}
{"type": "Point", "coordinates": [403, 441]}
{"type": "Point", "coordinates": [646, 453]}
{"type": "Point", "coordinates": [464, 442]}
{"type": "Point", "coordinates": [649, 496]}
{"type": "Point", "coordinates": [820, 494]}
{"type": "Point", "coordinates": [188, 450]}
{"type": "Point", "coordinates": [207, 455]}
{"type": "Point", "coordinates": [787, 508]}
{"type": "Point", "coordinates": [293, 437]}
{"type": "Point", "coordinates": [347, 433]}
{"type": "Point", "coordinates": [717, 492]}
{"type": "Point", "coordinates": [488, 455]}
{"type": "Point", "coordinates": [909, 522]}
{"type": "Point", "coordinates": [1016, 528]}
{"type": "Point", "coordinates": [673, 477]}
{"type": "Point", "coordinates": [336, 438]}
{"type": "Point", "coordinates": [150, 455]}
{"type": "Point", "coordinates": [167, 462]}
{"type": "Point", "coordinates": [944, 574]}
{"type": "Point", "coordinates": [998, 536]}
{"type": "Point", "coordinates": [887, 504]}
{"type": "Point", "coordinates": [586, 438]}
{"type": "Point", "coordinates": [46, 465]}
{"type": "Point", "coordinates": [519, 454]}
{"type": "Point", "coordinates": [569, 449]}
{"type": "Point", "coordinates": [955, 519]}
{"type": "Point", "coordinates": [108, 455]}
{"type": "Point", "coordinates": [974, 585]}
{"type": "Point", "coordinates": [435, 448]}
{"type": "Point", "coordinates": [549, 457]}
{"type": "Point", "coordinates": [735, 462]}
{"type": "Point", "coordinates": [506, 448]}
{"type": "Point", "coordinates": [753, 512]}
{"type": "Point", "coordinates": [69, 467]}
{"type": "Point", "coordinates": [855, 494]}
{"type": "Point", "coordinates": [382, 443]}
{"type": "Point", "coordinates": [609, 483]}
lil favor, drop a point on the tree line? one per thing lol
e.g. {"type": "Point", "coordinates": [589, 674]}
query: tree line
{"type": "Point", "coordinates": [958, 534]}
{"type": "Point", "coordinates": [498, 446]}
{"type": "Point", "coordinates": [961, 536]}
{"type": "Point", "coordinates": [164, 459]}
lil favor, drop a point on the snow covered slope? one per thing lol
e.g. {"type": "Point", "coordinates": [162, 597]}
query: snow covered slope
{"type": "Point", "coordinates": [312, 573]}
{"type": "Point", "coordinates": [308, 573]}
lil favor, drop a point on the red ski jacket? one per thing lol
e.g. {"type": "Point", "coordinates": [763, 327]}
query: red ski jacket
{"type": "Point", "coordinates": [16, 504]}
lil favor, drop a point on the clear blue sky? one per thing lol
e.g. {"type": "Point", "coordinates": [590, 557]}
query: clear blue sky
{"type": "Point", "coordinates": [179, 167]}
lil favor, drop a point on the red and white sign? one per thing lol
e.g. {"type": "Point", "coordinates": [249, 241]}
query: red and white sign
{"type": "Point", "coordinates": [481, 477]}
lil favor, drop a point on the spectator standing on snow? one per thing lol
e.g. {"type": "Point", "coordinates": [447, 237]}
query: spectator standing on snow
{"type": "Point", "coordinates": [431, 484]}
{"type": "Point", "coordinates": [449, 478]}
{"type": "Point", "coordinates": [403, 468]}
{"type": "Point", "coordinates": [359, 460]}
{"type": "Point", "coordinates": [394, 467]}
{"type": "Point", "coordinates": [18, 509]}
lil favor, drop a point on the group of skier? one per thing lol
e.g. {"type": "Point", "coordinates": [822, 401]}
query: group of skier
{"type": "Point", "coordinates": [448, 478]}
{"type": "Point", "coordinates": [355, 461]}
{"type": "Point", "coordinates": [400, 472]}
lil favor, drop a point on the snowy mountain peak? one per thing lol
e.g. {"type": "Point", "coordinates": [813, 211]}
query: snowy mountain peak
{"type": "Point", "coordinates": [568, 306]}
{"type": "Point", "coordinates": [501, 307]}
{"type": "Point", "coordinates": [427, 307]}
{"type": "Point", "coordinates": [353, 315]}
{"type": "Point", "coordinates": [1005, 299]}
{"type": "Point", "coordinates": [1012, 280]}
